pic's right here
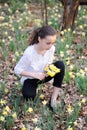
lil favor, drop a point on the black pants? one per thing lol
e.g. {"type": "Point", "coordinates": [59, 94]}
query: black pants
{"type": "Point", "coordinates": [30, 85]}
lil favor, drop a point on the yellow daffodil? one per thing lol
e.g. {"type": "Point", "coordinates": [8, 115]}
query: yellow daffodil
{"type": "Point", "coordinates": [41, 96]}
{"type": "Point", "coordinates": [68, 62]}
{"type": "Point", "coordinates": [6, 90]}
{"type": "Point", "coordinates": [71, 67]}
{"type": "Point", "coordinates": [5, 113]}
{"type": "Point", "coordinates": [67, 46]}
{"type": "Point", "coordinates": [2, 102]}
{"type": "Point", "coordinates": [74, 32]}
{"type": "Point", "coordinates": [50, 73]}
{"type": "Point", "coordinates": [54, 68]}
{"type": "Point", "coordinates": [2, 118]}
{"type": "Point", "coordinates": [62, 32]}
{"type": "Point", "coordinates": [78, 74]}
{"type": "Point", "coordinates": [75, 123]}
{"type": "Point", "coordinates": [35, 120]}
{"type": "Point", "coordinates": [1, 18]}
{"type": "Point", "coordinates": [23, 128]}
{"type": "Point", "coordinates": [81, 95]}
{"type": "Point", "coordinates": [83, 34]}
{"type": "Point", "coordinates": [69, 128]}
{"type": "Point", "coordinates": [65, 30]}
{"type": "Point", "coordinates": [72, 75]}
{"type": "Point", "coordinates": [68, 52]}
{"type": "Point", "coordinates": [69, 29]}
{"type": "Point", "coordinates": [14, 115]}
{"type": "Point", "coordinates": [13, 59]}
{"type": "Point", "coordinates": [69, 109]}
{"type": "Point", "coordinates": [17, 83]}
{"type": "Point", "coordinates": [30, 109]}
{"type": "Point", "coordinates": [61, 53]}
{"type": "Point", "coordinates": [85, 68]}
{"type": "Point", "coordinates": [81, 27]}
{"type": "Point", "coordinates": [44, 102]}
{"type": "Point", "coordinates": [51, 70]}
{"type": "Point", "coordinates": [62, 40]}
{"type": "Point", "coordinates": [81, 71]}
{"type": "Point", "coordinates": [17, 53]}
{"type": "Point", "coordinates": [37, 128]}
{"type": "Point", "coordinates": [83, 100]}
{"type": "Point", "coordinates": [79, 103]}
{"type": "Point", "coordinates": [7, 109]}
{"type": "Point", "coordinates": [6, 5]}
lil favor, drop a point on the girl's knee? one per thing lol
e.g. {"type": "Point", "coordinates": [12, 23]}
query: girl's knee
{"type": "Point", "coordinates": [60, 64]}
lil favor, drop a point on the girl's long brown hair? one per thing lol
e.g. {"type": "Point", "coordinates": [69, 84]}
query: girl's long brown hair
{"type": "Point", "coordinates": [42, 33]}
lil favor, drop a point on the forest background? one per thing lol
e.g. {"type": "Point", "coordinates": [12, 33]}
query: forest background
{"type": "Point", "coordinates": [17, 21]}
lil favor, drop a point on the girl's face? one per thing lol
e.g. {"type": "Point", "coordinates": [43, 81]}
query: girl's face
{"type": "Point", "coordinates": [47, 42]}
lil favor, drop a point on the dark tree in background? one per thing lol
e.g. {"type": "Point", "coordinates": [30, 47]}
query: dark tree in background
{"type": "Point", "coordinates": [70, 12]}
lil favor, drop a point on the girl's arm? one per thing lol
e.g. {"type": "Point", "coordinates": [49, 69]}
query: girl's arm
{"type": "Point", "coordinates": [36, 75]}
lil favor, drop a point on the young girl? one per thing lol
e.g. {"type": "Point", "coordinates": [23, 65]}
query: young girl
{"type": "Point", "coordinates": [32, 64]}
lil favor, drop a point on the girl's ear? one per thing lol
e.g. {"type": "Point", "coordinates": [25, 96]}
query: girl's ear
{"type": "Point", "coordinates": [39, 39]}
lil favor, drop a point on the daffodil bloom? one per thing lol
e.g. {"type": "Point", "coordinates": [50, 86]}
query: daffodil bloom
{"type": "Point", "coordinates": [85, 68]}
{"type": "Point", "coordinates": [68, 62]}
{"type": "Point", "coordinates": [41, 96]}
{"type": "Point", "coordinates": [82, 71]}
{"type": "Point", "coordinates": [2, 102]}
{"type": "Point", "coordinates": [81, 27]}
{"type": "Point", "coordinates": [75, 123]}
{"type": "Point", "coordinates": [17, 53]}
{"type": "Point", "coordinates": [2, 18]}
{"type": "Point", "coordinates": [67, 46]}
{"type": "Point", "coordinates": [79, 103]}
{"type": "Point", "coordinates": [44, 102]}
{"type": "Point", "coordinates": [62, 32]}
{"type": "Point", "coordinates": [13, 59]}
{"type": "Point", "coordinates": [7, 109]}
{"type": "Point", "coordinates": [68, 52]}
{"type": "Point", "coordinates": [51, 70]}
{"type": "Point", "coordinates": [6, 90]}
{"type": "Point", "coordinates": [30, 109]}
{"type": "Point", "coordinates": [5, 113]}
{"type": "Point", "coordinates": [72, 75]}
{"type": "Point", "coordinates": [83, 100]}
{"type": "Point", "coordinates": [69, 128]}
{"type": "Point", "coordinates": [81, 95]}
{"type": "Point", "coordinates": [23, 128]}
{"type": "Point", "coordinates": [2, 118]}
{"type": "Point", "coordinates": [62, 40]}
{"type": "Point", "coordinates": [50, 73]}
{"type": "Point", "coordinates": [37, 128]}
{"type": "Point", "coordinates": [71, 67]}
{"type": "Point", "coordinates": [74, 32]}
{"type": "Point", "coordinates": [83, 34]}
{"type": "Point", "coordinates": [69, 29]}
{"type": "Point", "coordinates": [61, 54]}
{"type": "Point", "coordinates": [14, 115]}
{"type": "Point", "coordinates": [65, 30]}
{"type": "Point", "coordinates": [35, 120]}
{"type": "Point", "coordinates": [54, 68]}
{"type": "Point", "coordinates": [69, 109]}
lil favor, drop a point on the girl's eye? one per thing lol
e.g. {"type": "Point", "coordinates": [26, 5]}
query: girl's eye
{"type": "Point", "coordinates": [49, 43]}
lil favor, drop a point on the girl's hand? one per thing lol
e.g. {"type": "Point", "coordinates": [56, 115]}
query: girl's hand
{"type": "Point", "coordinates": [39, 75]}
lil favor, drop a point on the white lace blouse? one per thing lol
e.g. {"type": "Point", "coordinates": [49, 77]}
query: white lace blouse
{"type": "Point", "coordinates": [32, 61]}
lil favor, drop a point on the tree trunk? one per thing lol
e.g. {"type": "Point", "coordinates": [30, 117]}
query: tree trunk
{"type": "Point", "coordinates": [70, 13]}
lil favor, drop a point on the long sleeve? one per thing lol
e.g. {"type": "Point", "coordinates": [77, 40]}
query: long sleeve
{"type": "Point", "coordinates": [22, 64]}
